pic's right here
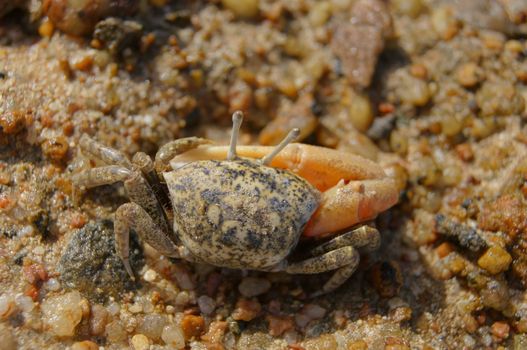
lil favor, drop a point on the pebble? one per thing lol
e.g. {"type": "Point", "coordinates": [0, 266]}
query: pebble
{"type": "Point", "coordinates": [253, 286]}
{"type": "Point", "coordinates": [246, 310]}
{"type": "Point", "coordinates": [182, 298]}
{"type": "Point", "coordinates": [468, 74]}
{"type": "Point", "coordinates": [52, 285]}
{"type": "Point", "coordinates": [115, 332]}
{"type": "Point", "coordinates": [85, 345]}
{"type": "Point", "coordinates": [173, 336]}
{"type": "Point", "coordinates": [411, 8]}
{"type": "Point", "coordinates": [324, 342]}
{"type": "Point", "coordinates": [62, 313]}
{"type": "Point", "coordinates": [136, 308]}
{"type": "Point", "coordinates": [500, 330]}
{"type": "Point", "coordinates": [150, 275]}
{"type": "Point", "coordinates": [361, 112]}
{"type": "Point", "coordinates": [415, 92]}
{"type": "Point", "coordinates": [140, 342]}
{"type": "Point", "coordinates": [279, 324]}
{"type": "Point", "coordinates": [357, 345]}
{"type": "Point", "coordinates": [444, 22]}
{"type": "Point", "coordinates": [192, 326]}
{"type": "Point", "coordinates": [152, 326]}
{"type": "Point", "coordinates": [206, 304]}
{"type": "Point", "coordinates": [8, 339]}
{"type": "Point", "coordinates": [7, 306]}
{"type": "Point", "coordinates": [242, 8]}
{"type": "Point", "coordinates": [308, 313]}
{"type": "Point", "coordinates": [24, 303]}
{"type": "Point", "coordinates": [495, 260]}
{"type": "Point", "coordinates": [98, 319]}
{"type": "Point", "coordinates": [469, 341]}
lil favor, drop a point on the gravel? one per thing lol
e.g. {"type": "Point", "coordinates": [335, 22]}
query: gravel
{"type": "Point", "coordinates": [253, 286]}
{"type": "Point", "coordinates": [89, 263]}
{"type": "Point", "coordinates": [62, 313]}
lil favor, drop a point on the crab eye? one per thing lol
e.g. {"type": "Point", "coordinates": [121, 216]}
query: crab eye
{"type": "Point", "coordinates": [293, 135]}
{"type": "Point", "coordinates": [237, 119]}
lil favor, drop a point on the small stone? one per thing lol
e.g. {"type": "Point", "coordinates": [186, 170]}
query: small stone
{"type": "Point", "coordinates": [152, 326]}
{"type": "Point", "coordinates": [115, 332]}
{"type": "Point", "coordinates": [206, 304]}
{"type": "Point", "coordinates": [85, 345]}
{"type": "Point", "coordinates": [419, 71]}
{"type": "Point", "coordinates": [500, 330]}
{"type": "Point", "coordinates": [360, 112]}
{"type": "Point", "coordinates": [150, 275]}
{"type": "Point", "coordinates": [495, 260]}
{"type": "Point", "coordinates": [140, 342]}
{"type": "Point", "coordinates": [136, 308]}
{"type": "Point", "coordinates": [308, 313]}
{"type": "Point", "coordinates": [279, 324]}
{"type": "Point", "coordinates": [173, 336]}
{"type": "Point", "coordinates": [98, 319]}
{"type": "Point", "coordinates": [215, 334]}
{"type": "Point", "coordinates": [55, 148]}
{"type": "Point", "coordinates": [324, 342]}
{"type": "Point", "coordinates": [253, 286]}
{"type": "Point", "coordinates": [246, 310]}
{"type": "Point", "coordinates": [192, 326]}
{"type": "Point", "coordinates": [89, 263]}
{"type": "Point", "coordinates": [357, 345]}
{"type": "Point", "coordinates": [242, 8]}
{"type": "Point", "coordinates": [8, 339]}
{"type": "Point", "coordinates": [62, 313]}
{"type": "Point", "coordinates": [468, 74]}
{"type": "Point", "coordinates": [444, 249]}
{"type": "Point", "coordinates": [444, 22]}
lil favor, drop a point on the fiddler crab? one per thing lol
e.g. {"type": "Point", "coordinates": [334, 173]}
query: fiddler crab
{"type": "Point", "coordinates": [246, 207]}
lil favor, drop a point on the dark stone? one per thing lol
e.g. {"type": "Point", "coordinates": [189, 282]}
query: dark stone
{"type": "Point", "coordinates": [466, 236]}
{"type": "Point", "coordinates": [89, 263]}
{"type": "Point", "coordinates": [118, 34]}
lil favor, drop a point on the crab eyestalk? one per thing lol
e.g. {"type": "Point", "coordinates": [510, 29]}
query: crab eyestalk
{"type": "Point", "coordinates": [292, 136]}
{"type": "Point", "coordinates": [237, 118]}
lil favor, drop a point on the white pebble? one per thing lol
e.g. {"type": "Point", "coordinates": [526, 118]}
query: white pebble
{"type": "Point", "coordinates": [140, 342]}
{"type": "Point", "coordinates": [184, 279]}
{"type": "Point", "coordinates": [308, 313]}
{"type": "Point", "coordinates": [253, 286]}
{"type": "Point", "coordinates": [182, 298]}
{"type": "Point", "coordinates": [27, 230]}
{"type": "Point", "coordinates": [150, 275]}
{"type": "Point", "coordinates": [469, 341]}
{"type": "Point", "coordinates": [152, 326]}
{"type": "Point", "coordinates": [52, 285]}
{"type": "Point", "coordinates": [113, 309]}
{"type": "Point", "coordinates": [169, 309]}
{"type": "Point", "coordinates": [136, 308]}
{"type": "Point", "coordinates": [206, 304]}
{"type": "Point", "coordinates": [173, 336]}
{"type": "Point", "coordinates": [39, 250]}
{"type": "Point", "coordinates": [62, 313]}
{"type": "Point", "coordinates": [7, 306]}
{"type": "Point", "coordinates": [396, 302]}
{"type": "Point", "coordinates": [24, 302]}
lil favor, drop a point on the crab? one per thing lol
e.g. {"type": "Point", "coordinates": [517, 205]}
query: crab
{"type": "Point", "coordinates": [246, 207]}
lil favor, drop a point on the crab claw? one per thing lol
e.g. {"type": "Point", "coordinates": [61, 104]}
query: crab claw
{"type": "Point", "coordinates": [346, 205]}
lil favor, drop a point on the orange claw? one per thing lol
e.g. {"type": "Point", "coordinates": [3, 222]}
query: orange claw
{"type": "Point", "coordinates": [346, 205]}
{"type": "Point", "coordinates": [354, 188]}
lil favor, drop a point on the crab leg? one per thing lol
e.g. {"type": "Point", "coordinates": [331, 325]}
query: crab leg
{"type": "Point", "coordinates": [322, 167]}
